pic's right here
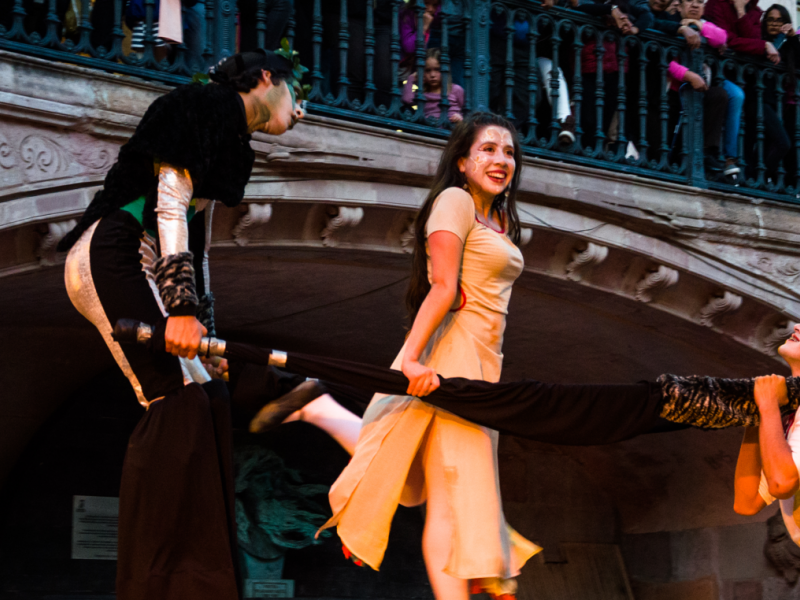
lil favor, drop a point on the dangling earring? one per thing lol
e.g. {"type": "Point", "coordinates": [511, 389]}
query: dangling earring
{"type": "Point", "coordinates": [466, 186]}
{"type": "Point", "coordinates": [508, 193]}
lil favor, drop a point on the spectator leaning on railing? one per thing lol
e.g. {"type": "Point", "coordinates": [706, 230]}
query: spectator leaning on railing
{"type": "Point", "coordinates": [776, 28]}
{"type": "Point", "coordinates": [189, 18]}
{"type": "Point", "coordinates": [741, 19]}
{"type": "Point", "coordinates": [628, 18]}
{"type": "Point", "coordinates": [408, 27]}
{"type": "Point", "coordinates": [432, 22]}
{"type": "Point", "coordinates": [715, 99]}
{"type": "Point", "coordinates": [521, 56]}
{"type": "Point", "coordinates": [670, 24]}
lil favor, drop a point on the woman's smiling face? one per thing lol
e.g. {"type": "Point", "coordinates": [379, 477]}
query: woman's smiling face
{"type": "Point", "coordinates": [490, 165]}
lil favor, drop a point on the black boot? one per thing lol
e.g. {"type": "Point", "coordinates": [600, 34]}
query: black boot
{"type": "Point", "coordinates": [275, 412]}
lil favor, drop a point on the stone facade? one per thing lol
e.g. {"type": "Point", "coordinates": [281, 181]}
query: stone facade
{"type": "Point", "coordinates": [723, 261]}
{"type": "Point", "coordinates": [625, 278]}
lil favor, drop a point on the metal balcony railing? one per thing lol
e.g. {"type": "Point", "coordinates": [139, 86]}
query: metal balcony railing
{"type": "Point", "coordinates": [361, 53]}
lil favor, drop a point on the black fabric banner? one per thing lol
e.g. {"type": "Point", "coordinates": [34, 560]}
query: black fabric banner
{"type": "Point", "coordinates": [575, 415]}
{"type": "Point", "coordinates": [567, 414]}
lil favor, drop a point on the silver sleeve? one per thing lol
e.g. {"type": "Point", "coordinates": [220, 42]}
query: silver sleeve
{"type": "Point", "coordinates": [174, 197]}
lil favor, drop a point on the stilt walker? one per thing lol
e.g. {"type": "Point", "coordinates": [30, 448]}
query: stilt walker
{"type": "Point", "coordinates": [141, 251]}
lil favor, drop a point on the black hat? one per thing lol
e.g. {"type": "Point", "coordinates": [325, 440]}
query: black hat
{"type": "Point", "coordinates": [237, 64]}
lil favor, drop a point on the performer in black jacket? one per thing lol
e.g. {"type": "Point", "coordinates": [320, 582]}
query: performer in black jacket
{"type": "Point", "coordinates": [141, 249]}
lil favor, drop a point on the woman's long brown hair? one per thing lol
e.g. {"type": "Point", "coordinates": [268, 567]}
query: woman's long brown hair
{"type": "Point", "coordinates": [448, 175]}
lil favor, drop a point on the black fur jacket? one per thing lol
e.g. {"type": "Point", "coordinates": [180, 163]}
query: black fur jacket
{"type": "Point", "coordinates": [714, 402]}
{"type": "Point", "coordinates": [201, 128]}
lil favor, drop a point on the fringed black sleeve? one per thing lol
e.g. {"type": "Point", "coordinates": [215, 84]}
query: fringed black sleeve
{"type": "Point", "coordinates": [205, 313]}
{"type": "Point", "coordinates": [175, 281]}
{"type": "Point", "coordinates": [714, 402]}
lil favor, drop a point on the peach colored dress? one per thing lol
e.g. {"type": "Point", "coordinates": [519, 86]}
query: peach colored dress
{"type": "Point", "coordinates": [387, 468]}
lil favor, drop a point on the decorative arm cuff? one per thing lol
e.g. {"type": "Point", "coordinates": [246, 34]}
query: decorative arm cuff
{"type": "Point", "coordinates": [175, 281]}
{"type": "Point", "coordinates": [715, 402]}
{"type": "Point", "coordinates": [205, 313]}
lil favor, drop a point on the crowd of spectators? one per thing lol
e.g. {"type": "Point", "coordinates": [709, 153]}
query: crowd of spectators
{"type": "Point", "coordinates": [603, 102]}
{"type": "Point", "coordinates": [727, 94]}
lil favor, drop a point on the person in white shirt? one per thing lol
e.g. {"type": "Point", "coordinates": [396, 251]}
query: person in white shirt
{"type": "Point", "coordinates": [767, 468]}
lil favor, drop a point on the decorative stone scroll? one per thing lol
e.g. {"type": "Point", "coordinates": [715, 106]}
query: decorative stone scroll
{"type": "Point", "coordinates": [583, 260]}
{"type": "Point", "coordinates": [342, 217]}
{"type": "Point", "coordinates": [257, 214]}
{"type": "Point", "coordinates": [407, 237]}
{"type": "Point", "coordinates": [653, 281]}
{"type": "Point", "coordinates": [47, 246]}
{"type": "Point", "coordinates": [717, 306]}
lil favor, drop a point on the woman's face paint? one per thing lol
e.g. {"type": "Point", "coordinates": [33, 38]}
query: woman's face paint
{"type": "Point", "coordinates": [491, 162]}
{"type": "Point", "coordinates": [278, 109]}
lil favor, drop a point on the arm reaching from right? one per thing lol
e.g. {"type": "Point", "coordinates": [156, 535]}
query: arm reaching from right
{"type": "Point", "coordinates": [765, 448]}
{"type": "Point", "coordinates": [776, 455]}
{"type": "Point", "coordinates": [747, 500]}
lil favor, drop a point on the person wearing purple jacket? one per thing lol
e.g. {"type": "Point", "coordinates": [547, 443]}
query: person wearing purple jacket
{"type": "Point", "coordinates": [432, 90]}
{"type": "Point", "coordinates": [437, 12]}
{"type": "Point", "coordinates": [408, 27]}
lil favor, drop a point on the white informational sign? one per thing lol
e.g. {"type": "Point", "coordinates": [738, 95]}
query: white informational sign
{"type": "Point", "coordinates": [269, 588]}
{"type": "Point", "coordinates": [94, 527]}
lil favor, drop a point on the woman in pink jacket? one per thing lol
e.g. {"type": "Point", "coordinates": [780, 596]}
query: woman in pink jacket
{"type": "Point", "coordinates": [741, 20]}
{"type": "Point", "coordinates": [717, 102]}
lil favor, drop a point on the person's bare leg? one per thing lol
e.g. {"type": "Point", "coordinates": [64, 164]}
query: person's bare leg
{"type": "Point", "coordinates": [438, 533]}
{"type": "Point", "coordinates": [332, 418]}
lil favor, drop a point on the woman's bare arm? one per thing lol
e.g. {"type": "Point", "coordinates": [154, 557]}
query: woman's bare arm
{"type": "Point", "coordinates": [747, 500]}
{"type": "Point", "coordinates": [445, 248]}
{"type": "Point", "coordinates": [776, 455]}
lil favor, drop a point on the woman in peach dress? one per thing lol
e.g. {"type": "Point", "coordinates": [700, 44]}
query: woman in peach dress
{"type": "Point", "coordinates": [408, 452]}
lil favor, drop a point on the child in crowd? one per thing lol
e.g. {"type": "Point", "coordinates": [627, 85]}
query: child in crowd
{"type": "Point", "coordinates": [432, 90]}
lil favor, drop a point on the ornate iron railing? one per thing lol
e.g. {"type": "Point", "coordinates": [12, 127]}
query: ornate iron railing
{"type": "Point", "coordinates": [361, 53]}
{"type": "Point", "coordinates": [756, 76]}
